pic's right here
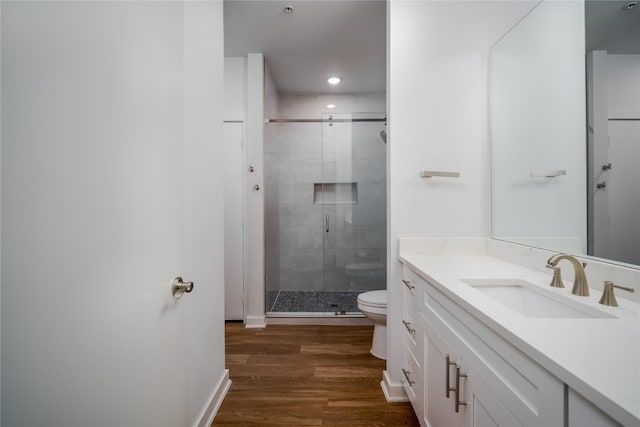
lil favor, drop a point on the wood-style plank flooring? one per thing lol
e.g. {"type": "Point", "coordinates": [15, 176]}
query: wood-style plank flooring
{"type": "Point", "coordinates": [306, 376]}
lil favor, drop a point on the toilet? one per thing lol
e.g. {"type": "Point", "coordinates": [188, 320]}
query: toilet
{"type": "Point", "coordinates": [373, 304]}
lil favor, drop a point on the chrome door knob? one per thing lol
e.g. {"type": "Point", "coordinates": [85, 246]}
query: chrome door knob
{"type": "Point", "coordinates": [178, 287]}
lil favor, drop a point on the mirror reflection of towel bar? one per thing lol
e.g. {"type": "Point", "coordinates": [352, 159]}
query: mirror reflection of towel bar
{"type": "Point", "coordinates": [430, 174]}
{"type": "Point", "coordinates": [547, 174]}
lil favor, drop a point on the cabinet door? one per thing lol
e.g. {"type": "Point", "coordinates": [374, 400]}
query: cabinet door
{"type": "Point", "coordinates": [482, 407]}
{"type": "Point", "coordinates": [438, 374]}
{"type": "Point", "coordinates": [413, 380]}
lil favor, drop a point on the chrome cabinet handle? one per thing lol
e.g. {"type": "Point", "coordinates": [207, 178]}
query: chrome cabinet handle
{"type": "Point", "coordinates": [408, 284]}
{"type": "Point", "coordinates": [459, 402]}
{"type": "Point", "coordinates": [406, 375]}
{"type": "Point", "coordinates": [178, 287]}
{"type": "Point", "coordinates": [326, 222]}
{"type": "Point", "coordinates": [408, 326]}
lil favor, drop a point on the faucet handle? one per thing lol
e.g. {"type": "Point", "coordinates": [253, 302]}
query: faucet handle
{"type": "Point", "coordinates": [608, 297]}
{"type": "Point", "coordinates": [556, 281]}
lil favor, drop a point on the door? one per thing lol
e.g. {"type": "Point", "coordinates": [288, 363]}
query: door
{"type": "Point", "coordinates": [233, 221]}
{"type": "Point", "coordinates": [354, 208]}
{"type": "Point", "coordinates": [439, 374]}
{"type": "Point", "coordinates": [92, 214]}
{"type": "Point", "coordinates": [482, 407]}
{"type": "Point", "coordinates": [623, 182]}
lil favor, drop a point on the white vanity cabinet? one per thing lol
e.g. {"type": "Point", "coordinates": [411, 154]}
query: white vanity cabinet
{"type": "Point", "coordinates": [497, 384]}
{"type": "Point", "coordinates": [413, 342]}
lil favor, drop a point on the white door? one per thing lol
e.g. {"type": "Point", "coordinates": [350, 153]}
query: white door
{"type": "Point", "coordinates": [233, 221]}
{"type": "Point", "coordinates": [92, 214]}
{"type": "Point", "coordinates": [439, 371]}
{"type": "Point", "coordinates": [483, 408]}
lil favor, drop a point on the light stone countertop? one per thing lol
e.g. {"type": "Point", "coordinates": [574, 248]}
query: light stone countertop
{"type": "Point", "coordinates": [598, 358]}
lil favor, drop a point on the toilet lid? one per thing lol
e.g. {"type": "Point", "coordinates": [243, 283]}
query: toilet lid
{"type": "Point", "coordinates": [373, 298]}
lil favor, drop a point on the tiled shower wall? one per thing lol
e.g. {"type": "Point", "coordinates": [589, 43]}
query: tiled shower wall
{"type": "Point", "coordinates": [300, 254]}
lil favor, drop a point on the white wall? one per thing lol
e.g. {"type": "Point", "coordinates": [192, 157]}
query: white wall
{"type": "Point", "coordinates": [235, 88]}
{"type": "Point", "coordinates": [271, 96]}
{"type": "Point", "coordinates": [437, 86]}
{"type": "Point", "coordinates": [254, 284]}
{"type": "Point", "coordinates": [623, 82]}
{"type": "Point", "coordinates": [103, 110]}
{"type": "Point", "coordinates": [245, 83]}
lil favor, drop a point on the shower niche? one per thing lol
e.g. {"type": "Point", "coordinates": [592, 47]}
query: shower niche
{"type": "Point", "coordinates": [336, 193]}
{"type": "Point", "coordinates": [325, 213]}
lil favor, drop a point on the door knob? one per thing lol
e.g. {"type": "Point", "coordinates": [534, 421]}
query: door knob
{"type": "Point", "coordinates": [178, 287]}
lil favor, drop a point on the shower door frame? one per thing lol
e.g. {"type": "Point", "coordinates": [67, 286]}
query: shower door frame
{"type": "Point", "coordinates": [328, 119]}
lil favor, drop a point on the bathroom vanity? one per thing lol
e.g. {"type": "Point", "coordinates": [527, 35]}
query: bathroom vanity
{"type": "Point", "coordinates": [488, 342]}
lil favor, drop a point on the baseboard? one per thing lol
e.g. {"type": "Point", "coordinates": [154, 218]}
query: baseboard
{"type": "Point", "coordinates": [255, 322]}
{"type": "Point", "coordinates": [393, 392]}
{"type": "Point", "coordinates": [211, 409]}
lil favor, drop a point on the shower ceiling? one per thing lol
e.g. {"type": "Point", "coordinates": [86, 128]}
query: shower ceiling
{"type": "Point", "coordinates": [318, 40]}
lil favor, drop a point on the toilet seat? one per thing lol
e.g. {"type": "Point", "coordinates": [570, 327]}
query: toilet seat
{"type": "Point", "coordinates": [377, 299]}
{"type": "Point", "coordinates": [374, 302]}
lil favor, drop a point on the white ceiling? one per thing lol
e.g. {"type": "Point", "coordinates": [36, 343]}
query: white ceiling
{"type": "Point", "coordinates": [347, 38]}
{"type": "Point", "coordinates": [318, 40]}
{"type": "Point", "coordinates": [609, 27]}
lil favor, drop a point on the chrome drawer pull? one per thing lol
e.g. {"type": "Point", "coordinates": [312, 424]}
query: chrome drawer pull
{"type": "Point", "coordinates": [447, 385]}
{"type": "Point", "coordinates": [458, 401]}
{"type": "Point", "coordinates": [408, 326]}
{"type": "Point", "coordinates": [406, 375]}
{"type": "Point", "coordinates": [408, 284]}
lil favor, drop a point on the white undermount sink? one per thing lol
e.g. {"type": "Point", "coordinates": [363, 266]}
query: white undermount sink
{"type": "Point", "coordinates": [534, 301]}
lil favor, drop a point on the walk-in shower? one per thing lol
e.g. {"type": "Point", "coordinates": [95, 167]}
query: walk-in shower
{"type": "Point", "coordinates": [325, 213]}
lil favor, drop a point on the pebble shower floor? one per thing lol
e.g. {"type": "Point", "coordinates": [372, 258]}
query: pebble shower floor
{"type": "Point", "coordinates": [337, 302]}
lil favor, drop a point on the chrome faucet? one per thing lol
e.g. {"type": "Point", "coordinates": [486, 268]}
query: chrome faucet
{"type": "Point", "coordinates": [580, 285]}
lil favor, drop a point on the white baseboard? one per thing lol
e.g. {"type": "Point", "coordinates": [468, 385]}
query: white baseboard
{"type": "Point", "coordinates": [211, 409]}
{"type": "Point", "coordinates": [255, 322]}
{"type": "Point", "coordinates": [393, 392]}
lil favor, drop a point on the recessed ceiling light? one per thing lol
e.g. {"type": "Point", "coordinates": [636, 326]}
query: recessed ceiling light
{"type": "Point", "coordinates": [288, 9]}
{"type": "Point", "coordinates": [630, 5]}
{"type": "Point", "coordinates": [331, 105]}
{"type": "Point", "coordinates": [334, 80]}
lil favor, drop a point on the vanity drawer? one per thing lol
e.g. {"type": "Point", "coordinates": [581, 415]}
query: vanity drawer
{"type": "Point", "coordinates": [414, 288]}
{"type": "Point", "coordinates": [412, 335]}
{"type": "Point", "coordinates": [412, 378]}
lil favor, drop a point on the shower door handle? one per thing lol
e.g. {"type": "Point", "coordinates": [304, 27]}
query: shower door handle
{"type": "Point", "coordinates": [326, 223]}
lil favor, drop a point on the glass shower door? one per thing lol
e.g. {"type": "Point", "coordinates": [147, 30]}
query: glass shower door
{"type": "Point", "coordinates": [325, 213]}
{"type": "Point", "coordinates": [354, 209]}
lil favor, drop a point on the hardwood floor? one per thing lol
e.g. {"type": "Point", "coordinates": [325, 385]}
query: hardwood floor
{"type": "Point", "coordinates": [306, 376]}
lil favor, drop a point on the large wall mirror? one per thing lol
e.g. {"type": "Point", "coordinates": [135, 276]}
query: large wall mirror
{"type": "Point", "coordinates": [564, 87]}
